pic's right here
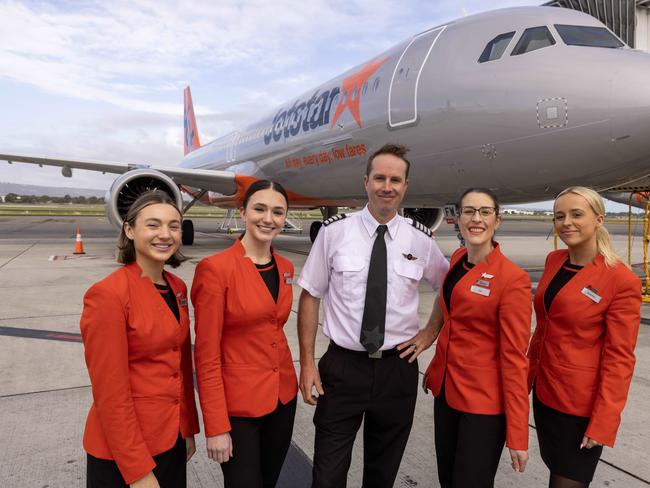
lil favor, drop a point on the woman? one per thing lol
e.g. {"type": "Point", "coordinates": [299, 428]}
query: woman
{"type": "Point", "coordinates": [581, 356]}
{"type": "Point", "coordinates": [135, 329]}
{"type": "Point", "coordinates": [478, 373]}
{"type": "Point", "coordinates": [247, 383]}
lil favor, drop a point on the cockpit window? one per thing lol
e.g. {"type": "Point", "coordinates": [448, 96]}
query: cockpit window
{"type": "Point", "coordinates": [533, 39]}
{"type": "Point", "coordinates": [496, 47]}
{"type": "Point", "coordinates": [582, 35]}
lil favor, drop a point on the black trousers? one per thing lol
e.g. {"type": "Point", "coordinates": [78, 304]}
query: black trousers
{"type": "Point", "coordinates": [468, 446]}
{"type": "Point", "coordinates": [170, 470]}
{"type": "Point", "coordinates": [382, 393]}
{"type": "Point", "coordinates": [260, 445]}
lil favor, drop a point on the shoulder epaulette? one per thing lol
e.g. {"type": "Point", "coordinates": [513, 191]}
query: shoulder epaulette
{"type": "Point", "coordinates": [421, 227]}
{"type": "Point", "coordinates": [334, 218]}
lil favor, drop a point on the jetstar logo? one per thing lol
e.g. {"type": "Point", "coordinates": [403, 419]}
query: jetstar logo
{"type": "Point", "coordinates": [306, 115]}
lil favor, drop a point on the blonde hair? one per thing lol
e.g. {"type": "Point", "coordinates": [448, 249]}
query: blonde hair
{"type": "Point", "coordinates": [603, 240]}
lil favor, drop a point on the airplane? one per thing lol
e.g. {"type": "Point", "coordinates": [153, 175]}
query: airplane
{"type": "Point", "coordinates": [525, 100]}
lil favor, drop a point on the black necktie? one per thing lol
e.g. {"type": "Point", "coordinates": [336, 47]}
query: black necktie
{"type": "Point", "coordinates": [374, 311]}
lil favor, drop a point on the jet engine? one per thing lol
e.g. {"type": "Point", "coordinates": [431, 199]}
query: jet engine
{"type": "Point", "coordinates": [429, 217]}
{"type": "Point", "coordinates": [131, 185]}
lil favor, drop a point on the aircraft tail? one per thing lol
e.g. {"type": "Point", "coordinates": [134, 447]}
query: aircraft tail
{"type": "Point", "coordinates": [190, 134]}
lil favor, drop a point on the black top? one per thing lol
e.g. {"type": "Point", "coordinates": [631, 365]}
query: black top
{"type": "Point", "coordinates": [561, 278]}
{"type": "Point", "coordinates": [168, 294]}
{"type": "Point", "coordinates": [271, 277]}
{"type": "Point", "coordinates": [455, 274]}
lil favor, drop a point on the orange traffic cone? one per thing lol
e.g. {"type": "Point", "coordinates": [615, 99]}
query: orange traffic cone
{"type": "Point", "coordinates": [79, 245]}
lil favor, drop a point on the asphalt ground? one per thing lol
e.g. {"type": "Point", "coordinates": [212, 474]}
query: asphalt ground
{"type": "Point", "coordinates": [44, 388]}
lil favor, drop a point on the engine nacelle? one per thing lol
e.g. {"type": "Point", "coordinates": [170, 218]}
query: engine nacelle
{"type": "Point", "coordinates": [429, 217]}
{"type": "Point", "coordinates": [131, 185]}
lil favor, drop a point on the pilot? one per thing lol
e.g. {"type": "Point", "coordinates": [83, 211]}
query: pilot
{"type": "Point", "coordinates": [135, 329]}
{"type": "Point", "coordinates": [246, 379]}
{"type": "Point", "coordinates": [478, 374]}
{"type": "Point", "coordinates": [581, 355]}
{"type": "Point", "coordinates": [367, 267]}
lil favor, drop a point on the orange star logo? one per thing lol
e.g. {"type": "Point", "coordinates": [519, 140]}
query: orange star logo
{"type": "Point", "coordinates": [351, 91]}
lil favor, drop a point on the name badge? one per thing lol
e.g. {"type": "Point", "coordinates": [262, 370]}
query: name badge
{"type": "Point", "coordinates": [484, 283]}
{"type": "Point", "coordinates": [590, 293]}
{"type": "Point", "coordinates": [480, 290]}
{"type": "Point", "coordinates": [287, 279]}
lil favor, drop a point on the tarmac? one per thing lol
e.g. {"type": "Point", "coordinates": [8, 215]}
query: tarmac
{"type": "Point", "coordinates": [45, 392]}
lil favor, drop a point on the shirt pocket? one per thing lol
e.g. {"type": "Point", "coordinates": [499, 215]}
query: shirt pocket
{"type": "Point", "coordinates": [405, 280]}
{"type": "Point", "coordinates": [350, 275]}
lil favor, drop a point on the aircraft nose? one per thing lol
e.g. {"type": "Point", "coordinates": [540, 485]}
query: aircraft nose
{"type": "Point", "coordinates": [630, 106]}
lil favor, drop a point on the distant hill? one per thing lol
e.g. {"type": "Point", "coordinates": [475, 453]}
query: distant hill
{"type": "Point", "coordinates": [52, 191]}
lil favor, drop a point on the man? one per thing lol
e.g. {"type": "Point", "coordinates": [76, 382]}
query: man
{"type": "Point", "coordinates": [366, 267]}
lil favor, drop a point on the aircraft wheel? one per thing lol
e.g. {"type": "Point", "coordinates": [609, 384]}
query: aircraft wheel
{"type": "Point", "coordinates": [313, 229]}
{"type": "Point", "coordinates": [188, 233]}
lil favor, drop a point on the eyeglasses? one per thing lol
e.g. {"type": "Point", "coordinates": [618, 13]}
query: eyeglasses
{"type": "Point", "coordinates": [483, 211]}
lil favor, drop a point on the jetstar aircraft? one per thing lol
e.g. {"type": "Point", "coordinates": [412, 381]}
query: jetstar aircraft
{"type": "Point", "coordinates": [524, 100]}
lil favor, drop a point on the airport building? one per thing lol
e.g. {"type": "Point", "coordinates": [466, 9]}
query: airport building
{"type": "Point", "coordinates": [628, 19]}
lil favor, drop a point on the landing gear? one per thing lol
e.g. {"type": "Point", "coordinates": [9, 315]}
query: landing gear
{"type": "Point", "coordinates": [313, 229]}
{"type": "Point", "coordinates": [188, 226]}
{"type": "Point", "coordinates": [188, 232]}
{"type": "Point", "coordinates": [326, 212]}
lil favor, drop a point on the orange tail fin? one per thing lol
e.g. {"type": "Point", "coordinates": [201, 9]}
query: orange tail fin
{"type": "Point", "coordinates": [190, 134]}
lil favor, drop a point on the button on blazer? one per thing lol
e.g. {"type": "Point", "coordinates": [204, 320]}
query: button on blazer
{"type": "Point", "coordinates": [481, 350]}
{"type": "Point", "coordinates": [582, 351]}
{"type": "Point", "coordinates": [243, 362]}
{"type": "Point", "coordinates": [139, 360]}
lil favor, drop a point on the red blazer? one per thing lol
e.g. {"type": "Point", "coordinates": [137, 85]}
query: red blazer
{"type": "Point", "coordinates": [481, 350]}
{"type": "Point", "coordinates": [243, 362]}
{"type": "Point", "coordinates": [582, 352]}
{"type": "Point", "coordinates": [140, 365]}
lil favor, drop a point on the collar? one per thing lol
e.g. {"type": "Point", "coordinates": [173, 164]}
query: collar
{"type": "Point", "coordinates": [370, 223]}
{"type": "Point", "coordinates": [491, 258]}
{"type": "Point", "coordinates": [238, 248]}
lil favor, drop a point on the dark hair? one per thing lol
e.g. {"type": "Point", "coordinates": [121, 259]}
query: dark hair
{"type": "Point", "coordinates": [264, 185]}
{"type": "Point", "coordinates": [485, 191]}
{"type": "Point", "coordinates": [125, 246]}
{"type": "Point", "coordinates": [398, 150]}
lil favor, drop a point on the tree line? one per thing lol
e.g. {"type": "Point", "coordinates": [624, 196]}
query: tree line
{"type": "Point", "coordinates": [15, 198]}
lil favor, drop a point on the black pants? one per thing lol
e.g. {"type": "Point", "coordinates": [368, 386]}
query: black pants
{"type": "Point", "coordinates": [468, 446]}
{"type": "Point", "coordinates": [260, 445]}
{"type": "Point", "coordinates": [170, 470]}
{"type": "Point", "coordinates": [382, 393]}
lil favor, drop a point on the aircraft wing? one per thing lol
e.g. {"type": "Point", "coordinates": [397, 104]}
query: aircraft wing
{"type": "Point", "coordinates": [213, 180]}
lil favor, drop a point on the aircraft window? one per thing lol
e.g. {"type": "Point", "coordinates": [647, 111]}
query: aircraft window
{"type": "Point", "coordinates": [496, 47]}
{"type": "Point", "coordinates": [365, 88]}
{"type": "Point", "coordinates": [375, 85]}
{"type": "Point", "coordinates": [582, 35]}
{"type": "Point", "coordinates": [533, 39]}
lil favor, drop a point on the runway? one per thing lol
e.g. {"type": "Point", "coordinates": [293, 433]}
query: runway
{"type": "Point", "coordinates": [45, 394]}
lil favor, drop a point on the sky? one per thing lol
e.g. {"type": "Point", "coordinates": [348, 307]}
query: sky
{"type": "Point", "coordinates": [104, 80]}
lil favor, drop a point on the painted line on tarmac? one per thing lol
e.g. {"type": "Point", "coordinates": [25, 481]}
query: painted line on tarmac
{"type": "Point", "coordinates": [50, 335]}
{"type": "Point", "coordinates": [18, 255]}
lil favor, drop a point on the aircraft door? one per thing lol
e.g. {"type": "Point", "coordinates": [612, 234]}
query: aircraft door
{"type": "Point", "coordinates": [402, 95]}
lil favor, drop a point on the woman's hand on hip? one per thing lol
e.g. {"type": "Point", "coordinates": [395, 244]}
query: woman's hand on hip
{"type": "Point", "coordinates": [219, 447]}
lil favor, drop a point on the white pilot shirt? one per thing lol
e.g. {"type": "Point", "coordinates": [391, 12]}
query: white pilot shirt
{"type": "Point", "coordinates": [337, 269]}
